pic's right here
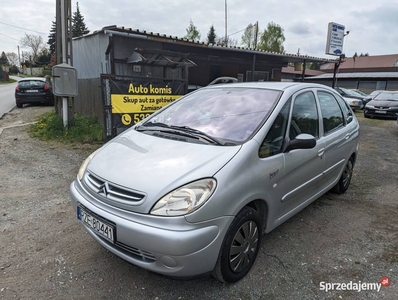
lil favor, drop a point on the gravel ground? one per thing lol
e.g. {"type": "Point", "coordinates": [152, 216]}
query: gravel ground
{"type": "Point", "coordinates": [46, 254]}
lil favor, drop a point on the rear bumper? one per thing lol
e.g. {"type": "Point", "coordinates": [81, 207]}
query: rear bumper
{"type": "Point", "coordinates": [40, 98]}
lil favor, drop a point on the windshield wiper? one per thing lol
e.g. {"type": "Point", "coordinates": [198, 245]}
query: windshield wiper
{"type": "Point", "coordinates": [181, 130]}
{"type": "Point", "coordinates": [199, 133]}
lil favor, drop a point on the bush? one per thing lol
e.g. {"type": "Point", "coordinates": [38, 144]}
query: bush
{"type": "Point", "coordinates": [14, 70]}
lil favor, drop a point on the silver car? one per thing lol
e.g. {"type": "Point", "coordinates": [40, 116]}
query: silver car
{"type": "Point", "coordinates": [191, 189]}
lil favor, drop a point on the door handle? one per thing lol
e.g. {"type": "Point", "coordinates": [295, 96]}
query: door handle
{"type": "Point", "coordinates": [347, 136]}
{"type": "Point", "coordinates": [321, 152]}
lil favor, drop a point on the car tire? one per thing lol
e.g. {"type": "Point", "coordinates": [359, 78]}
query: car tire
{"type": "Point", "coordinates": [366, 116]}
{"type": "Point", "coordinates": [345, 179]}
{"type": "Point", "coordinates": [19, 105]}
{"type": "Point", "coordinates": [240, 246]}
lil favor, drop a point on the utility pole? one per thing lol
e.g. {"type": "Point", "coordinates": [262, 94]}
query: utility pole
{"type": "Point", "coordinates": [255, 35]}
{"type": "Point", "coordinates": [226, 31]}
{"type": "Point", "coordinates": [19, 58]}
{"type": "Point", "coordinates": [64, 50]}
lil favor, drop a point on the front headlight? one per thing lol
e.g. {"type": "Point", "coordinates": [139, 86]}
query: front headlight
{"type": "Point", "coordinates": [185, 199]}
{"type": "Point", "coordinates": [369, 106]}
{"type": "Point", "coordinates": [85, 164]}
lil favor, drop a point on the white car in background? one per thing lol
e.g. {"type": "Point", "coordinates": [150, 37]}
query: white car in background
{"type": "Point", "coordinates": [354, 103]}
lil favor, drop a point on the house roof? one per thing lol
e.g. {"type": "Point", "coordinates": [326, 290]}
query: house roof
{"type": "Point", "coordinates": [367, 62]}
{"type": "Point", "coordinates": [358, 75]}
{"type": "Point", "coordinates": [128, 32]}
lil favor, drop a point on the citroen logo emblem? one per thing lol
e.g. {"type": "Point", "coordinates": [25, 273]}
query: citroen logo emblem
{"type": "Point", "coordinates": [103, 189]}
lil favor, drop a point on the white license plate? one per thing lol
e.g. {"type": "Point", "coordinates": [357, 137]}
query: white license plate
{"type": "Point", "coordinates": [380, 112]}
{"type": "Point", "coordinates": [100, 227]}
{"type": "Point", "coordinates": [32, 91]}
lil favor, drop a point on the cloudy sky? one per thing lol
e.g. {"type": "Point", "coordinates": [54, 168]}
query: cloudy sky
{"type": "Point", "coordinates": [373, 25]}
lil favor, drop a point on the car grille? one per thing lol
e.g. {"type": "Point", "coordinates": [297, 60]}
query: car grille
{"type": "Point", "coordinates": [137, 253]}
{"type": "Point", "coordinates": [110, 192]}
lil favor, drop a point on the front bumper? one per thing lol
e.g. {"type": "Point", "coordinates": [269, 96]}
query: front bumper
{"type": "Point", "coordinates": [165, 245]}
{"type": "Point", "coordinates": [381, 113]}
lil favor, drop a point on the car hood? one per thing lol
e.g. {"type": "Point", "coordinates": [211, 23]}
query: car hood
{"type": "Point", "coordinates": [155, 166]}
{"type": "Point", "coordinates": [384, 103]}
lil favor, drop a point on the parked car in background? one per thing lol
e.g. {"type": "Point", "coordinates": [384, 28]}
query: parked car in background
{"type": "Point", "coordinates": [375, 93]}
{"type": "Point", "coordinates": [350, 94]}
{"type": "Point", "coordinates": [355, 104]}
{"type": "Point", "coordinates": [360, 92]}
{"type": "Point", "coordinates": [192, 188]}
{"type": "Point", "coordinates": [193, 87]}
{"type": "Point", "coordinates": [34, 90]}
{"type": "Point", "coordinates": [220, 80]}
{"type": "Point", "coordinates": [384, 105]}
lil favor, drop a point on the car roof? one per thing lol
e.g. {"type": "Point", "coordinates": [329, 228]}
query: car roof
{"type": "Point", "coordinates": [33, 78]}
{"type": "Point", "coordinates": [273, 85]}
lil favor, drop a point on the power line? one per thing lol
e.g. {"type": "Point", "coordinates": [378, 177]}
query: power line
{"type": "Point", "coordinates": [9, 36]}
{"type": "Point", "coordinates": [22, 28]}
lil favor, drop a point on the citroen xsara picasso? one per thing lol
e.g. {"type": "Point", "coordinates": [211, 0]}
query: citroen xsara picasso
{"type": "Point", "coordinates": [192, 189]}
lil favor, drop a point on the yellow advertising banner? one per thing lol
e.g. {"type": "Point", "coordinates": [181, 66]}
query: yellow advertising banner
{"type": "Point", "coordinates": [140, 103]}
{"type": "Point", "coordinates": [133, 101]}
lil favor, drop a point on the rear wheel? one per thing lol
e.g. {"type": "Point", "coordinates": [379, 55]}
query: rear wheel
{"type": "Point", "coordinates": [19, 105]}
{"type": "Point", "coordinates": [345, 179]}
{"type": "Point", "coordinates": [240, 246]}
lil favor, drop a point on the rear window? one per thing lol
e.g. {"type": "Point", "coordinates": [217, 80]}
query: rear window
{"type": "Point", "coordinates": [31, 83]}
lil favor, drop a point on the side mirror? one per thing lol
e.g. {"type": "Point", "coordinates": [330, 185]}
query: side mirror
{"type": "Point", "coordinates": [302, 141]}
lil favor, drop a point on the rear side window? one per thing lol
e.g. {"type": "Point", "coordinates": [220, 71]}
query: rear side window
{"type": "Point", "coordinates": [331, 112]}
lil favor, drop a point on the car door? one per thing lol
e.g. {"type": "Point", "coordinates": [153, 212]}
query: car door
{"type": "Point", "coordinates": [300, 177]}
{"type": "Point", "coordinates": [338, 132]}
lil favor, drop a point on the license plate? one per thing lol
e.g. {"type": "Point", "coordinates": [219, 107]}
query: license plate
{"type": "Point", "coordinates": [100, 227]}
{"type": "Point", "coordinates": [32, 91]}
{"type": "Point", "coordinates": [380, 112]}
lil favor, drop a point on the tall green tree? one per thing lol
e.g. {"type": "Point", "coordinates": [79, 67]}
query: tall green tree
{"type": "Point", "coordinates": [79, 28]}
{"type": "Point", "coordinates": [211, 35]}
{"type": "Point", "coordinates": [44, 57]}
{"type": "Point", "coordinates": [192, 32]}
{"type": "Point", "coordinates": [52, 38]}
{"type": "Point", "coordinates": [4, 59]}
{"type": "Point", "coordinates": [272, 38]}
{"type": "Point", "coordinates": [248, 36]}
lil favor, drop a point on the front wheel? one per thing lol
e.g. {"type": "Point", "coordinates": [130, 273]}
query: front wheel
{"type": "Point", "coordinates": [240, 246]}
{"type": "Point", "coordinates": [345, 179]}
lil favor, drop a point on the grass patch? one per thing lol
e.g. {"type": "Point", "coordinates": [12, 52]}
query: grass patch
{"type": "Point", "coordinates": [83, 129]}
{"type": "Point", "coordinates": [7, 81]}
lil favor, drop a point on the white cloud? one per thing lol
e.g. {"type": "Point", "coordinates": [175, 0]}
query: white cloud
{"type": "Point", "coordinates": [372, 24]}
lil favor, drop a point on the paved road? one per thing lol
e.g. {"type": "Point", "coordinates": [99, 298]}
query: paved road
{"type": "Point", "coordinates": [7, 99]}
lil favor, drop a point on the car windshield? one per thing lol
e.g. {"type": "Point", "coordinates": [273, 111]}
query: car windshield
{"type": "Point", "coordinates": [351, 92]}
{"type": "Point", "coordinates": [228, 113]}
{"type": "Point", "coordinates": [386, 96]}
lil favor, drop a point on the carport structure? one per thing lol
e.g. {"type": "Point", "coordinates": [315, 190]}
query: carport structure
{"type": "Point", "coordinates": [123, 52]}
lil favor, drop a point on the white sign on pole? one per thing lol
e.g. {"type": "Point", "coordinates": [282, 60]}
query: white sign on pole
{"type": "Point", "coordinates": [335, 39]}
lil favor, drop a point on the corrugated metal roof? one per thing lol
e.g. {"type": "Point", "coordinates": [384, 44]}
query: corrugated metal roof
{"type": "Point", "coordinates": [358, 75]}
{"type": "Point", "coordinates": [168, 38]}
{"type": "Point", "coordinates": [362, 62]}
